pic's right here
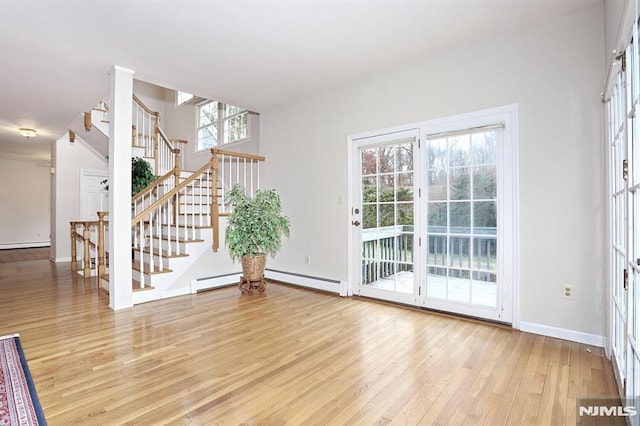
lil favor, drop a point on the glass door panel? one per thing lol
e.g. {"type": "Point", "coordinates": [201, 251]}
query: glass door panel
{"type": "Point", "coordinates": [461, 216]}
{"type": "Point", "coordinates": [387, 231]}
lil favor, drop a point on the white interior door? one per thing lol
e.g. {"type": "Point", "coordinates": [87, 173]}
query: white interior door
{"type": "Point", "coordinates": [93, 195]}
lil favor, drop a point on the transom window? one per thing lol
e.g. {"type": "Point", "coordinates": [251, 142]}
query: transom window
{"type": "Point", "coordinates": [220, 123]}
{"type": "Point", "coordinates": [182, 97]}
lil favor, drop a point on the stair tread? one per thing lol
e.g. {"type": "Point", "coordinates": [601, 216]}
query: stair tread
{"type": "Point", "coordinates": [136, 267]}
{"type": "Point", "coordinates": [135, 284]}
{"type": "Point", "coordinates": [163, 254]}
{"type": "Point", "coordinates": [180, 240]}
{"type": "Point", "coordinates": [146, 222]}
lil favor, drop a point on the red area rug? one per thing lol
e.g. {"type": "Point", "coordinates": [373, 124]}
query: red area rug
{"type": "Point", "coordinates": [19, 404]}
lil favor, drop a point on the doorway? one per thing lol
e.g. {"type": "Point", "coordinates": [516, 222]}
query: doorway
{"type": "Point", "coordinates": [434, 214]}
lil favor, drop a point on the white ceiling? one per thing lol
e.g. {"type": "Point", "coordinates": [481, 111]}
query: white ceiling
{"type": "Point", "coordinates": [55, 55]}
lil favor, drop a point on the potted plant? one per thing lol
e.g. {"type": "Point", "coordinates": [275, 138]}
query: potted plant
{"type": "Point", "coordinates": [254, 228]}
{"type": "Point", "coordinates": [141, 175]}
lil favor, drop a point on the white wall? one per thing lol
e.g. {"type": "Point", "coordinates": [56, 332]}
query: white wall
{"type": "Point", "coordinates": [613, 19]}
{"type": "Point", "coordinates": [554, 71]}
{"type": "Point", "coordinates": [67, 159]}
{"type": "Point", "coordinates": [24, 204]}
{"type": "Point", "coordinates": [152, 96]}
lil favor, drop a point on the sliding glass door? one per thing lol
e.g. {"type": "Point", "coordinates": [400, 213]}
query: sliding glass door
{"type": "Point", "coordinates": [434, 215]}
{"type": "Point", "coordinates": [461, 213]}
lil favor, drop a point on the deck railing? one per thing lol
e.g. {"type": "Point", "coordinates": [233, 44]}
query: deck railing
{"type": "Point", "coordinates": [390, 249]}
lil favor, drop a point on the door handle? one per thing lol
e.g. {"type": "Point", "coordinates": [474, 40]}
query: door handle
{"type": "Point", "coordinates": [355, 223]}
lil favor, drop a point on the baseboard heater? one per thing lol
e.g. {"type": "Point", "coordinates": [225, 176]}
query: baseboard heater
{"type": "Point", "coordinates": [216, 281]}
{"type": "Point", "coordinates": [225, 280]}
{"type": "Point", "coordinates": [317, 283]}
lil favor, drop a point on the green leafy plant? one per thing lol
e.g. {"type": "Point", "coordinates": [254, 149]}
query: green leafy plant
{"type": "Point", "coordinates": [256, 224]}
{"type": "Point", "coordinates": [141, 175]}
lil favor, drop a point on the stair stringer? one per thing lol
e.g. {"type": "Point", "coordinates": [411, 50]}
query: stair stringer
{"type": "Point", "coordinates": [163, 283]}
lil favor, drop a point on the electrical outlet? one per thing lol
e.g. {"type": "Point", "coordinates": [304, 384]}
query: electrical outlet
{"type": "Point", "coordinates": [307, 260]}
{"type": "Point", "coordinates": [567, 291]}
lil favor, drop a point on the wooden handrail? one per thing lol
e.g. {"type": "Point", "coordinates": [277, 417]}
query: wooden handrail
{"type": "Point", "coordinates": [152, 186]}
{"type": "Point", "coordinates": [175, 140]}
{"type": "Point", "coordinates": [144, 107]}
{"type": "Point", "coordinates": [84, 222]}
{"type": "Point", "coordinates": [87, 244]}
{"type": "Point", "coordinates": [166, 139]}
{"type": "Point", "coordinates": [215, 152]}
{"type": "Point", "coordinates": [171, 193]}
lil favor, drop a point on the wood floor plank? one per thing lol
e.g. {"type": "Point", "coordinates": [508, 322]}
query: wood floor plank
{"type": "Point", "coordinates": [290, 356]}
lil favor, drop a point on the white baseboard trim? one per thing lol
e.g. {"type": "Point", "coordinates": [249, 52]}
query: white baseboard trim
{"type": "Point", "coordinates": [209, 283]}
{"type": "Point", "coordinates": [151, 295]}
{"type": "Point", "coordinates": [28, 244]}
{"type": "Point", "coordinates": [317, 283]}
{"type": "Point", "coordinates": [61, 259]}
{"type": "Point", "coordinates": [563, 333]}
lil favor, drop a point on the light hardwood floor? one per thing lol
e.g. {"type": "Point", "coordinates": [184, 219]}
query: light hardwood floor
{"type": "Point", "coordinates": [291, 356]}
{"type": "Point", "coordinates": [24, 254]}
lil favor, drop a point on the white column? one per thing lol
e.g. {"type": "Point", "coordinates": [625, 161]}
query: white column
{"type": "Point", "coordinates": [120, 107]}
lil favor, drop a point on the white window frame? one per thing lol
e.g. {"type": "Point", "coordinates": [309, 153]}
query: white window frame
{"type": "Point", "coordinates": [200, 126]}
{"type": "Point", "coordinates": [182, 97]}
{"type": "Point", "coordinates": [221, 125]}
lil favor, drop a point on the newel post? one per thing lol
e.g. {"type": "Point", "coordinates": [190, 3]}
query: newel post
{"type": "Point", "coordinates": [176, 159]}
{"type": "Point", "coordinates": [74, 249]}
{"type": "Point", "coordinates": [86, 240]}
{"type": "Point", "coordinates": [101, 249]}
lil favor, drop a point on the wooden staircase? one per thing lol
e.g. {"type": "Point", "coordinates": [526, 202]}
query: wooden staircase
{"type": "Point", "coordinates": [176, 218]}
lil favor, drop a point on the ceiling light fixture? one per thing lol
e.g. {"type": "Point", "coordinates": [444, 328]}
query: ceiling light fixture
{"type": "Point", "coordinates": [27, 133]}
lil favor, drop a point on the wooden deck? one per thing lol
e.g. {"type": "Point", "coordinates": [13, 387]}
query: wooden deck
{"type": "Point", "coordinates": [290, 356]}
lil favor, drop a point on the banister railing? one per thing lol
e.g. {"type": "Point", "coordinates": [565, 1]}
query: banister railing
{"type": "Point", "coordinates": [93, 236]}
{"type": "Point", "coordinates": [172, 211]}
{"type": "Point", "coordinates": [167, 155]}
{"type": "Point", "coordinates": [236, 169]}
{"type": "Point", "coordinates": [154, 190]}
{"type": "Point", "coordinates": [148, 135]}
{"type": "Point", "coordinates": [161, 229]}
{"type": "Point", "coordinates": [144, 122]}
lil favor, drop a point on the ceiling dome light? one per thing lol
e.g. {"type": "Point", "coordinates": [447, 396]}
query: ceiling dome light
{"type": "Point", "coordinates": [27, 133]}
